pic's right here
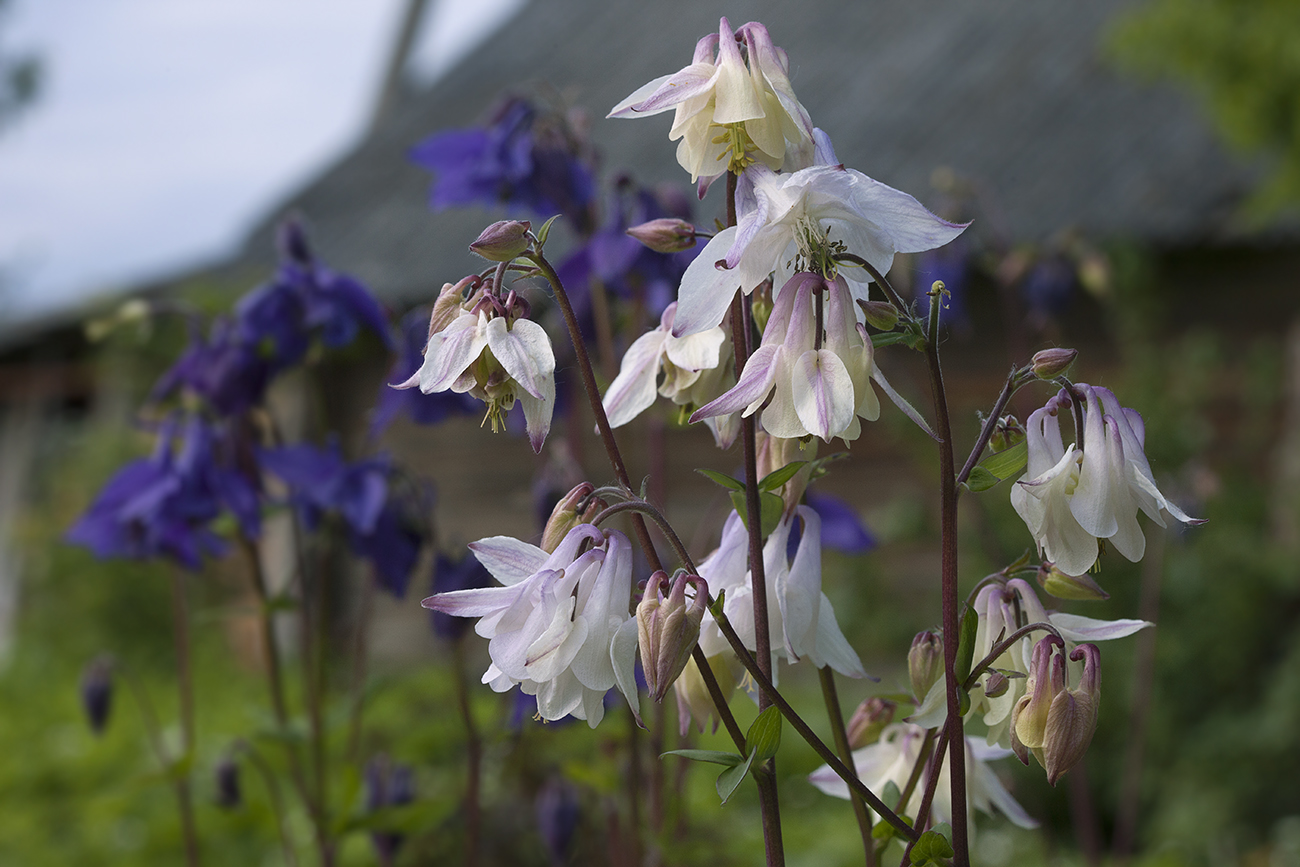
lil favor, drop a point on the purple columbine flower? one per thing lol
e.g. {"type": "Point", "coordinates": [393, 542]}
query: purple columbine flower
{"type": "Point", "coordinates": [388, 785]}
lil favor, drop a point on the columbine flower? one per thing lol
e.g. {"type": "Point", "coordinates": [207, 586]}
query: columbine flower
{"type": "Point", "coordinates": [801, 221]}
{"type": "Point", "coordinates": [801, 618]}
{"type": "Point", "coordinates": [1054, 722]}
{"type": "Point", "coordinates": [694, 371]}
{"type": "Point", "coordinates": [891, 759]}
{"type": "Point", "coordinates": [491, 350]}
{"type": "Point", "coordinates": [729, 113]}
{"type": "Point", "coordinates": [806, 383]}
{"type": "Point", "coordinates": [1070, 497]}
{"type": "Point", "coordinates": [559, 626]}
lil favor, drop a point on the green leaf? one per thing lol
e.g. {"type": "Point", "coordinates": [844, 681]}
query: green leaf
{"type": "Point", "coordinates": [980, 479]}
{"type": "Point", "coordinates": [932, 848]}
{"type": "Point", "coordinates": [716, 609]}
{"type": "Point", "coordinates": [730, 779]}
{"type": "Point", "coordinates": [545, 231]}
{"type": "Point", "coordinates": [776, 479]}
{"type": "Point", "coordinates": [770, 505]}
{"type": "Point", "coordinates": [891, 337]}
{"type": "Point", "coordinates": [890, 794]}
{"type": "Point", "coordinates": [966, 644]}
{"type": "Point", "coordinates": [724, 480]}
{"type": "Point", "coordinates": [764, 735]}
{"type": "Point", "coordinates": [1006, 464]}
{"type": "Point", "coordinates": [715, 757]}
{"type": "Point", "coordinates": [819, 465]}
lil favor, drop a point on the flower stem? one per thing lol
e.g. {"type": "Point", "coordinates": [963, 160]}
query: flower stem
{"type": "Point", "coordinates": [1008, 389]}
{"type": "Point", "coordinates": [836, 716]}
{"type": "Point", "coordinates": [473, 758]}
{"type": "Point", "coordinates": [931, 785]}
{"type": "Point", "coordinates": [185, 692]}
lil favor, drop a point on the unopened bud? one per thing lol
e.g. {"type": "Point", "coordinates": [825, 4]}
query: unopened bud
{"type": "Point", "coordinates": [574, 508]}
{"type": "Point", "coordinates": [1007, 433]}
{"type": "Point", "coordinates": [925, 662]}
{"type": "Point", "coordinates": [666, 235]}
{"type": "Point", "coordinates": [229, 793]}
{"type": "Point", "coordinates": [880, 314]}
{"type": "Point", "coordinates": [503, 240]}
{"type": "Point", "coordinates": [869, 720]}
{"type": "Point", "coordinates": [667, 630]}
{"type": "Point", "coordinates": [693, 699]}
{"type": "Point", "coordinates": [996, 684]}
{"type": "Point", "coordinates": [1051, 363]}
{"type": "Point", "coordinates": [1029, 716]}
{"type": "Point", "coordinates": [97, 693]}
{"type": "Point", "coordinates": [1062, 586]}
{"type": "Point", "coordinates": [448, 304]}
{"type": "Point", "coordinates": [1072, 719]}
{"type": "Point", "coordinates": [760, 304]}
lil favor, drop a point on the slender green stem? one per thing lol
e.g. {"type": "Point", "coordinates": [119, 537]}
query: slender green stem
{"type": "Point", "coordinates": [185, 693]}
{"type": "Point", "coordinates": [277, 801]}
{"type": "Point", "coordinates": [473, 758]}
{"type": "Point", "coordinates": [836, 716]}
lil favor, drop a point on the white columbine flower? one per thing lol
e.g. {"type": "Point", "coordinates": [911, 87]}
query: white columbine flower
{"type": "Point", "coordinates": [817, 387]}
{"type": "Point", "coordinates": [559, 627]}
{"type": "Point", "coordinates": [891, 759]}
{"type": "Point", "coordinates": [694, 369]}
{"type": "Point", "coordinates": [798, 221]}
{"type": "Point", "coordinates": [1070, 497]}
{"type": "Point", "coordinates": [732, 108]}
{"type": "Point", "coordinates": [491, 350]}
{"type": "Point", "coordinates": [801, 619]}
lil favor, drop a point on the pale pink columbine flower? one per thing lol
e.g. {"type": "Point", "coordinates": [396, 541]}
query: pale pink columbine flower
{"type": "Point", "coordinates": [488, 347]}
{"type": "Point", "coordinates": [695, 370]}
{"type": "Point", "coordinates": [732, 106]}
{"type": "Point", "coordinates": [818, 385]}
{"type": "Point", "coordinates": [800, 616]}
{"type": "Point", "coordinates": [560, 626]}
{"type": "Point", "coordinates": [800, 221]}
{"type": "Point", "coordinates": [1072, 496]}
{"type": "Point", "coordinates": [891, 759]}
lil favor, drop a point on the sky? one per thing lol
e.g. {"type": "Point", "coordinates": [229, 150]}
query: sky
{"type": "Point", "coordinates": [166, 127]}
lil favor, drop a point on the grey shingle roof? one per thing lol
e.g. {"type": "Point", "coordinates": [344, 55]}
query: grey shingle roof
{"type": "Point", "coordinates": [1014, 93]}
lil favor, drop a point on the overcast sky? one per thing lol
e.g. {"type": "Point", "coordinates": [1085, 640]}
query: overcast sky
{"type": "Point", "coordinates": [167, 126]}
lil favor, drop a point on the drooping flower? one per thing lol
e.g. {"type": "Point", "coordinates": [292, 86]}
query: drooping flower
{"type": "Point", "coordinates": [802, 221]}
{"type": "Point", "coordinates": [419, 407]}
{"type": "Point", "coordinates": [490, 349]}
{"type": "Point", "coordinates": [732, 108]}
{"type": "Point", "coordinates": [559, 626]}
{"type": "Point", "coordinates": [805, 383]}
{"type": "Point", "coordinates": [694, 370]}
{"type": "Point", "coordinates": [1071, 497]}
{"type": "Point", "coordinates": [891, 759]}
{"type": "Point", "coordinates": [1051, 720]}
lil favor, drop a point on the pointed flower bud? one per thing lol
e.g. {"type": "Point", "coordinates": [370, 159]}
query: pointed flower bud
{"type": "Point", "coordinates": [1051, 363]}
{"type": "Point", "coordinates": [996, 684]}
{"type": "Point", "coordinates": [880, 314]}
{"type": "Point", "coordinates": [1072, 718]}
{"type": "Point", "coordinates": [503, 240]}
{"type": "Point", "coordinates": [665, 235]}
{"type": "Point", "coordinates": [925, 662]}
{"type": "Point", "coordinates": [668, 629]}
{"type": "Point", "coordinates": [229, 793]}
{"type": "Point", "coordinates": [1063, 586]}
{"type": "Point", "coordinates": [869, 720]}
{"type": "Point", "coordinates": [1029, 717]}
{"type": "Point", "coordinates": [574, 508]}
{"type": "Point", "coordinates": [97, 693]}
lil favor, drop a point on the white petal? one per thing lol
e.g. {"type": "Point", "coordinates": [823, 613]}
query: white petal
{"type": "Point", "coordinates": [1080, 629]}
{"type": "Point", "coordinates": [524, 350]}
{"type": "Point", "coordinates": [622, 655]}
{"type": "Point", "coordinates": [823, 393]}
{"type": "Point", "coordinates": [705, 293]}
{"type": "Point", "coordinates": [508, 559]}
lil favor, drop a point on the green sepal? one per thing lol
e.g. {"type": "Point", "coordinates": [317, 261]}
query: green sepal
{"type": "Point", "coordinates": [716, 609]}
{"type": "Point", "coordinates": [1007, 463]}
{"type": "Point", "coordinates": [966, 644]}
{"type": "Point", "coordinates": [545, 231]}
{"type": "Point", "coordinates": [730, 779]}
{"type": "Point", "coordinates": [715, 757]}
{"type": "Point", "coordinates": [764, 735]}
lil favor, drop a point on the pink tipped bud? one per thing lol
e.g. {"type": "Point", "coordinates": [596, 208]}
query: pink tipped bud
{"type": "Point", "coordinates": [925, 662]}
{"type": "Point", "coordinates": [574, 508]}
{"type": "Point", "coordinates": [503, 240]}
{"type": "Point", "coordinates": [1029, 716]}
{"type": "Point", "coordinates": [667, 630]}
{"type": "Point", "coordinates": [869, 720]}
{"type": "Point", "coordinates": [666, 235]}
{"type": "Point", "coordinates": [1072, 719]}
{"type": "Point", "coordinates": [1051, 363]}
{"type": "Point", "coordinates": [449, 303]}
{"type": "Point", "coordinates": [880, 314]}
{"type": "Point", "coordinates": [1063, 586]}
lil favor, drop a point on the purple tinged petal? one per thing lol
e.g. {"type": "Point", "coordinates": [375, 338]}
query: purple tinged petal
{"type": "Point", "coordinates": [1080, 629]}
{"type": "Point", "coordinates": [755, 383]}
{"type": "Point", "coordinates": [633, 390]}
{"type": "Point", "coordinates": [508, 559]}
{"type": "Point", "coordinates": [823, 393]}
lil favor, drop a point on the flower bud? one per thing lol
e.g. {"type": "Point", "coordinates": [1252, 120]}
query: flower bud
{"type": "Point", "coordinates": [925, 662]}
{"type": "Point", "coordinates": [1007, 433]}
{"type": "Point", "coordinates": [97, 693]}
{"type": "Point", "coordinates": [665, 235]}
{"type": "Point", "coordinates": [761, 303]}
{"type": "Point", "coordinates": [566, 515]}
{"type": "Point", "coordinates": [880, 314]}
{"type": "Point", "coordinates": [229, 793]}
{"type": "Point", "coordinates": [1051, 363]}
{"type": "Point", "coordinates": [1029, 716]}
{"type": "Point", "coordinates": [1072, 718]}
{"type": "Point", "coordinates": [503, 240]}
{"type": "Point", "coordinates": [1063, 586]}
{"type": "Point", "coordinates": [869, 720]}
{"type": "Point", "coordinates": [693, 699]}
{"type": "Point", "coordinates": [996, 684]}
{"type": "Point", "coordinates": [667, 630]}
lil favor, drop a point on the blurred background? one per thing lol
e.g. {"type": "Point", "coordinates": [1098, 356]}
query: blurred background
{"type": "Point", "coordinates": [1133, 173]}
